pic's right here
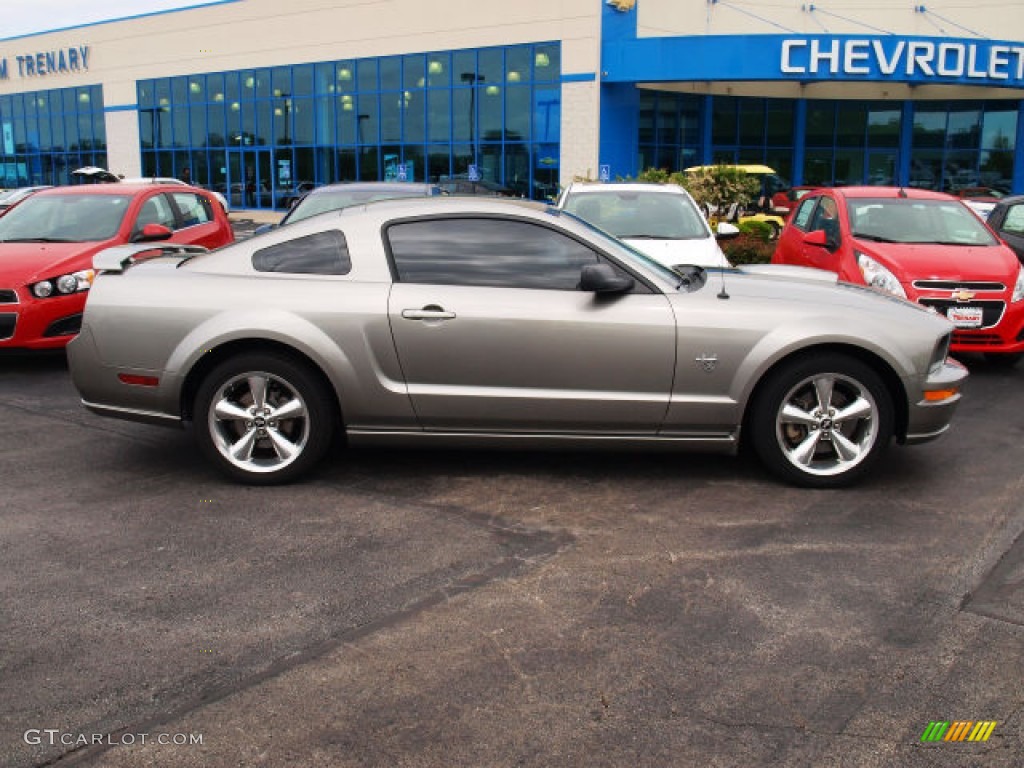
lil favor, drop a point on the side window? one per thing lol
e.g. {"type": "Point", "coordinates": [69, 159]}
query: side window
{"type": "Point", "coordinates": [156, 210]}
{"type": "Point", "coordinates": [323, 253]}
{"type": "Point", "coordinates": [487, 252]}
{"type": "Point", "coordinates": [194, 209]}
{"type": "Point", "coordinates": [803, 213]}
{"type": "Point", "coordinates": [1014, 223]}
{"type": "Point", "coordinates": [825, 216]}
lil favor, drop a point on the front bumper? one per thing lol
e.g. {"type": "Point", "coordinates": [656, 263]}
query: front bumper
{"type": "Point", "coordinates": [932, 406]}
{"type": "Point", "coordinates": [40, 323]}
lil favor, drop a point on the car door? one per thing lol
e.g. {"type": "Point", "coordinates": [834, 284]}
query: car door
{"type": "Point", "coordinates": [824, 218]}
{"type": "Point", "coordinates": [1010, 227]}
{"type": "Point", "coordinates": [791, 248]}
{"type": "Point", "coordinates": [493, 334]}
{"type": "Point", "coordinates": [196, 220]}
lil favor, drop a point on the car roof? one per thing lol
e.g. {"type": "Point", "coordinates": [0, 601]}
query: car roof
{"type": "Point", "coordinates": [745, 168]}
{"type": "Point", "coordinates": [446, 204]}
{"type": "Point", "coordinates": [624, 186]}
{"type": "Point", "coordinates": [119, 188]}
{"type": "Point", "coordinates": [913, 193]}
{"type": "Point", "coordinates": [1010, 200]}
{"type": "Point", "coordinates": [370, 185]}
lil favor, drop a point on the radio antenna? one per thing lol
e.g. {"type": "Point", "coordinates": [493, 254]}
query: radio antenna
{"type": "Point", "coordinates": [722, 294]}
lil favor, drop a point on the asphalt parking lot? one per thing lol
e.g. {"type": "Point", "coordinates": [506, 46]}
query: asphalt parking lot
{"type": "Point", "coordinates": [502, 609]}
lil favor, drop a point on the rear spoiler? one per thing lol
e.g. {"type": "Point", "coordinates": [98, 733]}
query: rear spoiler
{"type": "Point", "coordinates": [120, 257]}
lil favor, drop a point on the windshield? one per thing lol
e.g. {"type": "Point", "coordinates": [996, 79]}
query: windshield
{"type": "Point", "coordinates": [640, 214]}
{"type": "Point", "coordinates": [906, 220]}
{"type": "Point", "coordinates": [624, 250]}
{"type": "Point", "coordinates": [322, 202]}
{"type": "Point", "coordinates": [64, 218]}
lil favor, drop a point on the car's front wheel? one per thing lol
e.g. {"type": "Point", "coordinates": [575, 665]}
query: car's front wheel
{"type": "Point", "coordinates": [822, 422]}
{"type": "Point", "coordinates": [263, 418]}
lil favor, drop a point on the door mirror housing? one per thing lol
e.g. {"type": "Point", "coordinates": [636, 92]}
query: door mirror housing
{"type": "Point", "coordinates": [151, 233]}
{"type": "Point", "coordinates": [823, 239]}
{"type": "Point", "coordinates": [604, 278]}
{"type": "Point", "coordinates": [726, 231]}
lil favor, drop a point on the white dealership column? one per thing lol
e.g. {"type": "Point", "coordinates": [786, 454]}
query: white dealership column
{"type": "Point", "coordinates": [581, 119]}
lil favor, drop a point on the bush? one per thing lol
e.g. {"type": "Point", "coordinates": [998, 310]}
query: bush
{"type": "Point", "coordinates": [757, 229]}
{"type": "Point", "coordinates": [749, 248]}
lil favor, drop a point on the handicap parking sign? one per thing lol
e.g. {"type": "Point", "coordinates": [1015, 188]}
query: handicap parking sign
{"type": "Point", "coordinates": [403, 172]}
{"type": "Point", "coordinates": [474, 173]}
{"type": "Point", "coordinates": [604, 172]}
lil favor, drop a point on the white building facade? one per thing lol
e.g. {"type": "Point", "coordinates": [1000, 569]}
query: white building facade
{"type": "Point", "coordinates": [252, 97]}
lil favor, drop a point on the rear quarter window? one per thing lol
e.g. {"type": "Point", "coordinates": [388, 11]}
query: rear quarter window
{"type": "Point", "coordinates": [322, 253]}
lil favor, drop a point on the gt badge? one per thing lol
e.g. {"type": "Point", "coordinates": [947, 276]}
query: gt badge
{"type": "Point", "coordinates": [707, 362]}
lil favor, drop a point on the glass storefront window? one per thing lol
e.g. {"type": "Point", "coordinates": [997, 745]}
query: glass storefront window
{"type": "Point", "coordinates": [351, 119]}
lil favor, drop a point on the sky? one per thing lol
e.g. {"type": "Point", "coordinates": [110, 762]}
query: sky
{"type": "Point", "coordinates": [23, 17]}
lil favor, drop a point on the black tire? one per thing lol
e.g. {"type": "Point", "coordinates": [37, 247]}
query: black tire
{"type": "Point", "coordinates": [773, 231]}
{"type": "Point", "coordinates": [1003, 361]}
{"type": "Point", "coordinates": [268, 450]}
{"type": "Point", "coordinates": [803, 444]}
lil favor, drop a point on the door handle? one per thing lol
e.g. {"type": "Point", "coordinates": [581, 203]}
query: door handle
{"type": "Point", "coordinates": [429, 312]}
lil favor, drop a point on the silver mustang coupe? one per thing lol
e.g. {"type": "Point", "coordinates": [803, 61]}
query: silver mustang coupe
{"type": "Point", "coordinates": [474, 322]}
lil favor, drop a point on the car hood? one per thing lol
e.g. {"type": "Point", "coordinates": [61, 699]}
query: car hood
{"type": "Point", "coordinates": [23, 263]}
{"type": "Point", "coordinates": [702, 253]}
{"type": "Point", "coordinates": [923, 261]}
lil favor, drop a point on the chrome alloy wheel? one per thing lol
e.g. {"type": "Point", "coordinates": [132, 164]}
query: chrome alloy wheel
{"type": "Point", "coordinates": [827, 424]}
{"type": "Point", "coordinates": [258, 422]}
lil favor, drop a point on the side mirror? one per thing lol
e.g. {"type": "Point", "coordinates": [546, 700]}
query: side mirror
{"type": "Point", "coordinates": [603, 278]}
{"type": "Point", "coordinates": [152, 233]}
{"type": "Point", "coordinates": [726, 231]}
{"type": "Point", "coordinates": [819, 237]}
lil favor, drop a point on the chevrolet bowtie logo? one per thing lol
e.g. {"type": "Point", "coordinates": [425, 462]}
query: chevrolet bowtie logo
{"type": "Point", "coordinates": [963, 295]}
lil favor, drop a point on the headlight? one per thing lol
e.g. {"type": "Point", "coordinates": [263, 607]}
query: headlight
{"type": "Point", "coordinates": [878, 276]}
{"type": "Point", "coordinates": [1018, 289]}
{"type": "Point", "coordinates": [74, 282]}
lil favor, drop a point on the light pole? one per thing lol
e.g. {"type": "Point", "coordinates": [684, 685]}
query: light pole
{"type": "Point", "coordinates": [286, 111]}
{"type": "Point", "coordinates": [472, 78]}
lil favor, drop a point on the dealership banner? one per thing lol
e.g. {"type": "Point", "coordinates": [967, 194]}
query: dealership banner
{"type": "Point", "coordinates": [811, 58]}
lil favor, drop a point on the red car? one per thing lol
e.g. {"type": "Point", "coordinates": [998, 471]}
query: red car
{"type": "Point", "coordinates": [923, 246]}
{"type": "Point", "coordinates": [48, 240]}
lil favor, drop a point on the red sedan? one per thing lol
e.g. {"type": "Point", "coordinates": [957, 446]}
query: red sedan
{"type": "Point", "coordinates": [919, 245]}
{"type": "Point", "coordinates": [47, 243]}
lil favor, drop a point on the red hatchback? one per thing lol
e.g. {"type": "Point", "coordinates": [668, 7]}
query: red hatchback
{"type": "Point", "coordinates": [919, 245]}
{"type": "Point", "coordinates": [48, 240]}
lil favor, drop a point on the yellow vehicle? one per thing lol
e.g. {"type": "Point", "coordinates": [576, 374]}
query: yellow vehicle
{"type": "Point", "coordinates": [771, 185]}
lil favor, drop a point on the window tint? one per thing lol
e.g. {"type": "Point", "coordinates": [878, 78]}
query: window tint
{"type": "Point", "coordinates": [324, 253]}
{"type": "Point", "coordinates": [1014, 220]}
{"type": "Point", "coordinates": [803, 213]}
{"type": "Point", "coordinates": [487, 252]}
{"type": "Point", "coordinates": [156, 210]}
{"type": "Point", "coordinates": [195, 209]}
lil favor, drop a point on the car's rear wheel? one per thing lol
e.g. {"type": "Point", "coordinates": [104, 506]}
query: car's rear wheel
{"type": "Point", "coordinates": [822, 422]}
{"type": "Point", "coordinates": [773, 230]}
{"type": "Point", "coordinates": [264, 418]}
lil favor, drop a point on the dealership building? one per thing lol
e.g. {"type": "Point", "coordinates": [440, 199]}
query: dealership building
{"type": "Point", "coordinates": [254, 97]}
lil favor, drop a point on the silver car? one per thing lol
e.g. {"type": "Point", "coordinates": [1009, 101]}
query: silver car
{"type": "Point", "coordinates": [475, 322]}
